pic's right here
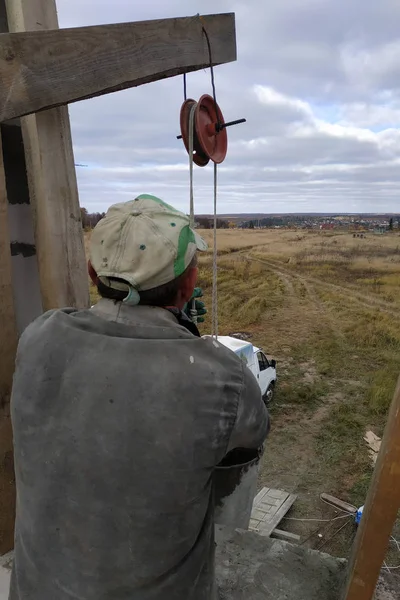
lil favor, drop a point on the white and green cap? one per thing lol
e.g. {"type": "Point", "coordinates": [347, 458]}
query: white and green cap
{"type": "Point", "coordinates": [145, 243]}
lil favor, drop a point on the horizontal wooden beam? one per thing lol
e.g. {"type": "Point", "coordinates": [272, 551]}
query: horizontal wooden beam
{"type": "Point", "coordinates": [45, 69]}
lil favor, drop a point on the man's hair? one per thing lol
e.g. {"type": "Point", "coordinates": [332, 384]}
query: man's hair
{"type": "Point", "coordinates": [163, 295]}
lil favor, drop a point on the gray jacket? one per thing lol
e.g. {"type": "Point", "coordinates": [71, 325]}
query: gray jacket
{"type": "Point", "coordinates": [120, 416]}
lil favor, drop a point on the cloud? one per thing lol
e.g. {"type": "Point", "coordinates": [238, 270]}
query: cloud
{"type": "Point", "coordinates": [317, 80]}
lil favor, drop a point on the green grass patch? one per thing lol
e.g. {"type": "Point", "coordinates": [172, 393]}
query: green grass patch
{"type": "Point", "coordinates": [247, 292]}
{"type": "Point", "coordinates": [341, 436]}
{"type": "Point", "coordinates": [381, 388]}
{"type": "Point", "coordinates": [301, 393]}
{"type": "Point", "coordinates": [359, 490]}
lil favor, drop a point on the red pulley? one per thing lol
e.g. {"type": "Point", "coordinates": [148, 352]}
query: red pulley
{"type": "Point", "coordinates": [199, 157]}
{"type": "Point", "coordinates": [210, 142]}
{"type": "Point", "coordinates": [208, 117]}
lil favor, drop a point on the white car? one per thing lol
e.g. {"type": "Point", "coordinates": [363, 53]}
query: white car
{"type": "Point", "coordinates": [264, 370]}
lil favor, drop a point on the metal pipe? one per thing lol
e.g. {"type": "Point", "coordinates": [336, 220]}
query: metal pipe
{"type": "Point", "coordinates": [222, 126]}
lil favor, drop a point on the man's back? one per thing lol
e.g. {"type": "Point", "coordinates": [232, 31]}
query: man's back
{"type": "Point", "coordinates": [120, 416]}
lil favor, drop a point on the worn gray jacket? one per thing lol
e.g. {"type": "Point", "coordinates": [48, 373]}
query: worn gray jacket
{"type": "Point", "coordinates": [120, 416]}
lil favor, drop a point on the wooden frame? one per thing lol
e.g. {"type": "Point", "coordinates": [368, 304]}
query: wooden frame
{"type": "Point", "coordinates": [44, 69]}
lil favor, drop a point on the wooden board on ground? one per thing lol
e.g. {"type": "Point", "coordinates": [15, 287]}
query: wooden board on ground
{"type": "Point", "coordinates": [374, 442]}
{"type": "Point", "coordinates": [44, 69]}
{"type": "Point", "coordinates": [345, 506]}
{"type": "Point", "coordinates": [269, 508]}
{"type": "Point", "coordinates": [286, 536]}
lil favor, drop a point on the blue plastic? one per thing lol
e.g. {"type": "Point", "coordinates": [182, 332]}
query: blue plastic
{"type": "Point", "coordinates": [359, 514]}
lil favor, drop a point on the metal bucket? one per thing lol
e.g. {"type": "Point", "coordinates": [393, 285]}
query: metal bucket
{"type": "Point", "coordinates": [235, 486]}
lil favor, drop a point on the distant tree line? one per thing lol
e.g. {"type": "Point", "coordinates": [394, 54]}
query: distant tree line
{"type": "Point", "coordinates": [266, 222]}
{"type": "Point", "coordinates": [208, 223]}
{"type": "Point", "coordinates": [90, 220]}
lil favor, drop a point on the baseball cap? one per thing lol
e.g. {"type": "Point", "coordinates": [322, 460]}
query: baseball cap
{"type": "Point", "coordinates": [145, 243]}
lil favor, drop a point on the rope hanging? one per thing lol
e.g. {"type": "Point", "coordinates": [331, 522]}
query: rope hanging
{"type": "Point", "coordinates": [214, 330]}
{"type": "Point", "coordinates": [214, 306]}
{"type": "Point", "coordinates": [203, 130]}
{"type": "Point", "coordinates": [191, 150]}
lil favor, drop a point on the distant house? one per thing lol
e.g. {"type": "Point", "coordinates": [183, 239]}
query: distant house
{"type": "Point", "coordinates": [327, 226]}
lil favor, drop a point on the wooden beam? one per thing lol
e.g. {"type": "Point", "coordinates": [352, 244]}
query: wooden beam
{"type": "Point", "coordinates": [380, 513]}
{"type": "Point", "coordinates": [19, 294]}
{"type": "Point", "coordinates": [339, 503]}
{"type": "Point", "coordinates": [44, 69]}
{"type": "Point", "coordinates": [286, 536]}
{"type": "Point", "coordinates": [8, 347]}
{"type": "Point", "coordinates": [25, 273]}
{"type": "Point", "coordinates": [52, 183]}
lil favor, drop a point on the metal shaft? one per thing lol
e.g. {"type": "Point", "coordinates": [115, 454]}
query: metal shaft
{"type": "Point", "coordinates": [222, 126]}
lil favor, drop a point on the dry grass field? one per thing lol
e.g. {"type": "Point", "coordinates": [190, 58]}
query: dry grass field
{"type": "Point", "coordinates": [327, 307]}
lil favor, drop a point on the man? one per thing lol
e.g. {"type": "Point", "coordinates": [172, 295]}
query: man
{"type": "Point", "coordinates": [120, 415]}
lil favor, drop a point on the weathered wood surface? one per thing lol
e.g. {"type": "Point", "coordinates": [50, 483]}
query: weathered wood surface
{"type": "Point", "coordinates": [380, 513]}
{"type": "Point", "coordinates": [52, 183]}
{"type": "Point", "coordinates": [8, 346]}
{"type": "Point", "coordinates": [44, 69]}
{"type": "Point", "coordinates": [25, 274]}
{"type": "Point", "coordinates": [269, 508]}
{"type": "Point", "coordinates": [286, 536]}
{"type": "Point", "coordinates": [11, 190]}
{"type": "Point", "coordinates": [338, 503]}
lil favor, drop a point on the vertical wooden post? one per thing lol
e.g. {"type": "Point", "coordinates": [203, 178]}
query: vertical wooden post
{"type": "Point", "coordinates": [8, 346]}
{"type": "Point", "coordinates": [25, 275]}
{"type": "Point", "coordinates": [42, 259]}
{"type": "Point", "coordinates": [52, 182]}
{"type": "Point", "coordinates": [19, 293]}
{"type": "Point", "coordinates": [380, 513]}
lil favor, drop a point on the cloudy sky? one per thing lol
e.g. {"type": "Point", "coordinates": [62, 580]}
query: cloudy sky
{"type": "Point", "coordinates": [317, 80]}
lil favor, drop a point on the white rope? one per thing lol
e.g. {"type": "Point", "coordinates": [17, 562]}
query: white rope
{"type": "Point", "coordinates": [214, 331]}
{"type": "Point", "coordinates": [214, 308]}
{"type": "Point", "coordinates": [191, 150]}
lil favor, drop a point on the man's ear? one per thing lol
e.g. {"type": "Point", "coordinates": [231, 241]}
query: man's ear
{"type": "Point", "coordinates": [190, 283]}
{"type": "Point", "coordinates": [187, 288]}
{"type": "Point", "coordinates": [192, 279]}
{"type": "Point", "coordinates": [92, 273]}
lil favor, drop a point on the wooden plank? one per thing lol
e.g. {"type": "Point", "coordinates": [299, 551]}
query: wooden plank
{"type": "Point", "coordinates": [52, 184]}
{"type": "Point", "coordinates": [339, 503]}
{"type": "Point", "coordinates": [44, 69]}
{"type": "Point", "coordinates": [260, 496]}
{"type": "Point", "coordinates": [380, 513]}
{"type": "Point", "coordinates": [286, 536]}
{"type": "Point", "coordinates": [269, 508]}
{"type": "Point", "coordinates": [268, 527]}
{"type": "Point", "coordinates": [8, 348]}
{"type": "Point", "coordinates": [277, 494]}
{"type": "Point", "coordinates": [254, 524]}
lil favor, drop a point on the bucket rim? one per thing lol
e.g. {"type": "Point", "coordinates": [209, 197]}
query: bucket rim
{"type": "Point", "coordinates": [235, 466]}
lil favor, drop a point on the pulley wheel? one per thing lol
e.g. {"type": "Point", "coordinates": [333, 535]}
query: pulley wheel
{"type": "Point", "coordinates": [213, 143]}
{"type": "Point", "coordinates": [200, 158]}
